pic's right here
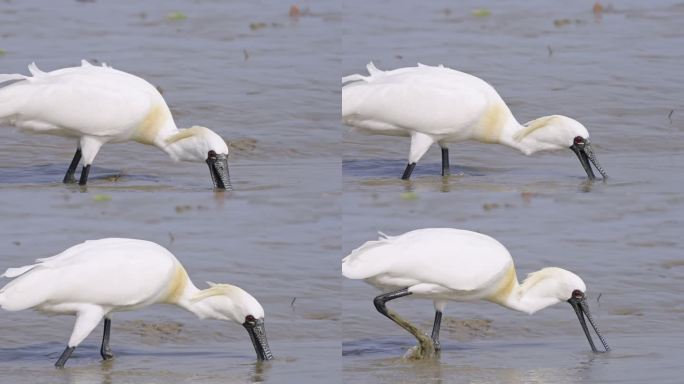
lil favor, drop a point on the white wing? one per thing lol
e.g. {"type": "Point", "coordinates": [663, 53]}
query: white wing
{"type": "Point", "coordinates": [90, 100]}
{"type": "Point", "coordinates": [107, 272]}
{"type": "Point", "coordinates": [431, 100]}
{"type": "Point", "coordinates": [456, 259]}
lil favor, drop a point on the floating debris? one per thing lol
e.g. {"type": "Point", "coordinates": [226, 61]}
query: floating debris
{"type": "Point", "coordinates": [187, 207]}
{"type": "Point", "coordinates": [563, 22]}
{"type": "Point", "coordinates": [481, 12]}
{"type": "Point", "coordinates": [597, 9]}
{"type": "Point", "coordinates": [490, 206]}
{"type": "Point", "coordinates": [114, 178]}
{"type": "Point", "coordinates": [295, 12]}
{"type": "Point", "coordinates": [409, 196]}
{"type": "Point", "coordinates": [257, 26]}
{"type": "Point", "coordinates": [102, 197]}
{"type": "Point", "coordinates": [176, 16]}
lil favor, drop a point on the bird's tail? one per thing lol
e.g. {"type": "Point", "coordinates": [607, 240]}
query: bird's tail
{"type": "Point", "coordinates": [11, 273]}
{"type": "Point", "coordinates": [372, 71]}
{"type": "Point", "coordinates": [18, 271]}
{"type": "Point", "coordinates": [11, 77]}
{"type": "Point", "coordinates": [12, 94]}
{"type": "Point", "coordinates": [20, 293]}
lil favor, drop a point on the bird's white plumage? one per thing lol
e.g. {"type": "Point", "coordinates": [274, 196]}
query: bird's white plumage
{"type": "Point", "coordinates": [453, 264]}
{"type": "Point", "coordinates": [439, 104]}
{"type": "Point", "coordinates": [86, 100]}
{"type": "Point", "coordinates": [97, 105]}
{"type": "Point", "coordinates": [95, 278]}
{"type": "Point", "coordinates": [455, 259]}
{"type": "Point", "coordinates": [112, 273]}
{"type": "Point", "coordinates": [446, 264]}
{"type": "Point", "coordinates": [429, 100]}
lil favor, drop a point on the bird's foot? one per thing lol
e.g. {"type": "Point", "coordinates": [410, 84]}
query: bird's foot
{"type": "Point", "coordinates": [106, 353]}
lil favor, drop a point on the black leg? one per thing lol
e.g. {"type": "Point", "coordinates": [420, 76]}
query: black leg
{"type": "Point", "coordinates": [65, 356]}
{"type": "Point", "coordinates": [69, 177]}
{"type": "Point", "coordinates": [445, 161]}
{"type": "Point", "coordinates": [435, 329]}
{"type": "Point", "coordinates": [408, 171]}
{"type": "Point", "coordinates": [105, 350]}
{"type": "Point", "coordinates": [84, 175]}
{"type": "Point", "coordinates": [380, 301]}
{"type": "Point", "coordinates": [426, 347]}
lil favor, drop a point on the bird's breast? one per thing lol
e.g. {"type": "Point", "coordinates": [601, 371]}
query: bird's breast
{"type": "Point", "coordinates": [491, 124]}
{"type": "Point", "coordinates": [503, 287]}
{"type": "Point", "coordinates": [176, 286]}
{"type": "Point", "coordinates": [147, 131]}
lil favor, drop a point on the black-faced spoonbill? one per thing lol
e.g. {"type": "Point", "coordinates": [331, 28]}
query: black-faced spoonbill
{"type": "Point", "coordinates": [98, 105]}
{"type": "Point", "coordinates": [93, 279]}
{"type": "Point", "coordinates": [445, 264]}
{"type": "Point", "coordinates": [438, 104]}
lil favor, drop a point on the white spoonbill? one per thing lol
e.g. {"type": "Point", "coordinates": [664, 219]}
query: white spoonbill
{"type": "Point", "coordinates": [438, 104]}
{"type": "Point", "coordinates": [445, 264]}
{"type": "Point", "coordinates": [98, 105]}
{"type": "Point", "coordinates": [93, 279]}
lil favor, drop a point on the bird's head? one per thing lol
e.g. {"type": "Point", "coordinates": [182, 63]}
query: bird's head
{"type": "Point", "coordinates": [555, 132]}
{"type": "Point", "coordinates": [202, 144]}
{"type": "Point", "coordinates": [553, 285]}
{"type": "Point", "coordinates": [228, 302]}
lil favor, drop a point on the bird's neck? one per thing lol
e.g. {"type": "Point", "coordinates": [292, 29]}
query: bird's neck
{"type": "Point", "coordinates": [510, 137]}
{"type": "Point", "coordinates": [498, 125]}
{"type": "Point", "coordinates": [203, 309]}
{"type": "Point", "coordinates": [525, 298]}
{"type": "Point", "coordinates": [170, 141]}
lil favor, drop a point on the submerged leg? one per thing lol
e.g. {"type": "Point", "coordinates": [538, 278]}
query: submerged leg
{"type": "Point", "coordinates": [426, 347]}
{"type": "Point", "coordinates": [64, 357]}
{"type": "Point", "coordinates": [380, 301]}
{"type": "Point", "coordinates": [90, 146]}
{"type": "Point", "coordinates": [87, 318]}
{"type": "Point", "coordinates": [84, 175]}
{"type": "Point", "coordinates": [69, 176]}
{"type": "Point", "coordinates": [105, 349]}
{"type": "Point", "coordinates": [408, 171]}
{"type": "Point", "coordinates": [420, 143]}
{"type": "Point", "coordinates": [435, 329]}
{"type": "Point", "coordinates": [445, 161]}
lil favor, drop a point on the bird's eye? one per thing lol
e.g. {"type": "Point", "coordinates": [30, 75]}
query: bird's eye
{"type": "Point", "coordinates": [577, 294]}
{"type": "Point", "coordinates": [212, 154]}
{"type": "Point", "coordinates": [579, 140]}
{"type": "Point", "coordinates": [250, 319]}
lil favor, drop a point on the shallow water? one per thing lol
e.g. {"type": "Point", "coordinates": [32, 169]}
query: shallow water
{"type": "Point", "coordinates": [618, 74]}
{"type": "Point", "coordinates": [270, 85]}
{"type": "Point", "coordinates": [276, 235]}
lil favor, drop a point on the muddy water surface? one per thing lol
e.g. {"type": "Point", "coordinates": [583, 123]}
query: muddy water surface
{"type": "Point", "coordinates": [246, 70]}
{"type": "Point", "coordinates": [618, 73]}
